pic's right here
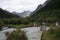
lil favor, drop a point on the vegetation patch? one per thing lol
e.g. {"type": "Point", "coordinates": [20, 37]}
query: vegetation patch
{"type": "Point", "coordinates": [16, 35]}
{"type": "Point", "coordinates": [51, 34]}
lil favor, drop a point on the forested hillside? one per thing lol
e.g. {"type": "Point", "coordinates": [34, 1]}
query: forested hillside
{"type": "Point", "coordinates": [6, 14]}
{"type": "Point", "coordinates": [50, 12]}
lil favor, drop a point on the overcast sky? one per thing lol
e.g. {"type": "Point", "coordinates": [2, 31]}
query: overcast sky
{"type": "Point", "coordinates": [20, 5]}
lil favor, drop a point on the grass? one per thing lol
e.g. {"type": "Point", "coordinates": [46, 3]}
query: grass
{"type": "Point", "coordinates": [51, 34]}
{"type": "Point", "coordinates": [19, 25]}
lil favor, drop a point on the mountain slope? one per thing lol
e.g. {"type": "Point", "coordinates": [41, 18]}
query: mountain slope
{"type": "Point", "coordinates": [23, 14]}
{"type": "Point", "coordinates": [53, 4]}
{"type": "Point", "coordinates": [6, 14]}
{"type": "Point", "coordinates": [38, 8]}
{"type": "Point", "coordinates": [50, 10]}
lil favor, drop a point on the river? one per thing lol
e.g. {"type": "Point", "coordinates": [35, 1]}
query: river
{"type": "Point", "coordinates": [33, 33]}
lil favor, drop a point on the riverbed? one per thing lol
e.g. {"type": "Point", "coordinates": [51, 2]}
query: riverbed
{"type": "Point", "coordinates": [33, 33]}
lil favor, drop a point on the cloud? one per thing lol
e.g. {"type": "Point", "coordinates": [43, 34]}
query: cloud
{"type": "Point", "coordinates": [20, 5]}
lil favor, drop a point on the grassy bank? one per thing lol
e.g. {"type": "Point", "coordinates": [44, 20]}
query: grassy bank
{"type": "Point", "coordinates": [19, 25]}
{"type": "Point", "coordinates": [51, 34]}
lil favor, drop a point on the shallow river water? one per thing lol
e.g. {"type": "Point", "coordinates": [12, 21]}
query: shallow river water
{"type": "Point", "coordinates": [33, 33]}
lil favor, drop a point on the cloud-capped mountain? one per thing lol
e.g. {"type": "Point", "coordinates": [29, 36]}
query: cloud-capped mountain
{"type": "Point", "coordinates": [7, 14]}
{"type": "Point", "coordinates": [23, 14]}
{"type": "Point", "coordinates": [40, 6]}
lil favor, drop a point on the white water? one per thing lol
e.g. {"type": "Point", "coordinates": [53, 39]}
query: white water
{"type": "Point", "coordinates": [33, 33]}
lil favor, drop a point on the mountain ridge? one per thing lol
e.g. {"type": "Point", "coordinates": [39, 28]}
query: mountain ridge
{"type": "Point", "coordinates": [23, 14]}
{"type": "Point", "coordinates": [50, 10]}
{"type": "Point", "coordinates": [40, 7]}
{"type": "Point", "coordinates": [6, 14]}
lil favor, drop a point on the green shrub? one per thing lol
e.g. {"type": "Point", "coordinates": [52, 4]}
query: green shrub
{"type": "Point", "coordinates": [17, 35]}
{"type": "Point", "coordinates": [6, 33]}
{"type": "Point", "coordinates": [51, 34]}
{"type": "Point", "coordinates": [0, 27]}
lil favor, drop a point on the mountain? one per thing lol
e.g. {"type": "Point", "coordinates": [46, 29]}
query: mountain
{"type": "Point", "coordinates": [6, 14]}
{"type": "Point", "coordinates": [51, 9]}
{"type": "Point", "coordinates": [39, 7]}
{"type": "Point", "coordinates": [53, 4]}
{"type": "Point", "coordinates": [23, 14]}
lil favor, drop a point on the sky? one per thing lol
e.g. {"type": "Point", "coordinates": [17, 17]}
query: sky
{"type": "Point", "coordinates": [20, 5]}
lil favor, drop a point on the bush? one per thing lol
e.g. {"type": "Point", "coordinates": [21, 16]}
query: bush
{"type": "Point", "coordinates": [51, 34]}
{"type": "Point", "coordinates": [6, 33]}
{"type": "Point", "coordinates": [17, 35]}
{"type": "Point", "coordinates": [0, 27]}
